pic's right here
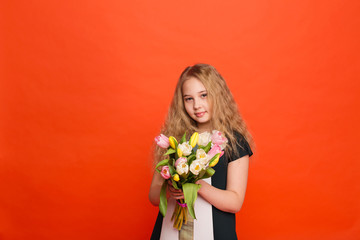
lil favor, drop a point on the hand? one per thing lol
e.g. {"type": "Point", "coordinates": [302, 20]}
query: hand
{"type": "Point", "coordinates": [174, 193]}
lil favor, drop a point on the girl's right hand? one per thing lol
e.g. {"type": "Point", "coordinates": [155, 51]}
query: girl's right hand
{"type": "Point", "coordinates": [174, 193]}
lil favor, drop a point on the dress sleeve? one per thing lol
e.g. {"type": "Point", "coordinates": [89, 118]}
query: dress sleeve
{"type": "Point", "coordinates": [242, 146]}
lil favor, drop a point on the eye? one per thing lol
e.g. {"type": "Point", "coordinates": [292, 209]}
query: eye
{"type": "Point", "coordinates": [188, 99]}
{"type": "Point", "coordinates": [204, 95]}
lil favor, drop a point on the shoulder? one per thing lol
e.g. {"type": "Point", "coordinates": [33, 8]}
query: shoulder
{"type": "Point", "coordinates": [242, 147]}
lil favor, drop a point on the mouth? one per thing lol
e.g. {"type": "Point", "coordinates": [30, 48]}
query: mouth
{"type": "Point", "coordinates": [200, 114]}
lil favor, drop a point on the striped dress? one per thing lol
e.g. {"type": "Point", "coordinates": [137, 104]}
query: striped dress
{"type": "Point", "coordinates": [211, 223]}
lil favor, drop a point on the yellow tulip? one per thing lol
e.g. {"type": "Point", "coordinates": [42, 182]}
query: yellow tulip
{"type": "Point", "coordinates": [176, 177]}
{"type": "Point", "coordinates": [194, 139]}
{"type": "Point", "coordinates": [173, 142]}
{"type": "Point", "coordinates": [213, 163]}
{"type": "Point", "coordinates": [179, 152]}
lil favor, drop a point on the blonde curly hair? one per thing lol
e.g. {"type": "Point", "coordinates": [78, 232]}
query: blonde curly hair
{"type": "Point", "coordinates": [225, 115]}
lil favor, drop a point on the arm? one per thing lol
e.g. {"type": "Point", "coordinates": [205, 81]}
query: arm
{"type": "Point", "coordinates": [231, 199]}
{"type": "Point", "coordinates": [155, 188]}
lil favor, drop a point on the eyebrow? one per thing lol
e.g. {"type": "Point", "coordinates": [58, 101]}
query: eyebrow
{"type": "Point", "coordinates": [198, 92]}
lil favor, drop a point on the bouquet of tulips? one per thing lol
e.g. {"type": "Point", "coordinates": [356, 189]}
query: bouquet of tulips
{"type": "Point", "coordinates": [186, 163]}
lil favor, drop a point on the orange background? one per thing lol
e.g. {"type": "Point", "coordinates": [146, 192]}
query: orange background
{"type": "Point", "coordinates": [85, 87]}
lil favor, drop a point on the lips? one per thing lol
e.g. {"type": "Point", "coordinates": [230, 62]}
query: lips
{"type": "Point", "coordinates": [200, 114]}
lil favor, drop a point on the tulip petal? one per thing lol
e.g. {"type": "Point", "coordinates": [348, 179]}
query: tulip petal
{"type": "Point", "coordinates": [176, 177]}
{"type": "Point", "coordinates": [173, 142]}
{"type": "Point", "coordinates": [215, 160]}
{"type": "Point", "coordinates": [194, 139]}
{"type": "Point", "coordinates": [179, 152]}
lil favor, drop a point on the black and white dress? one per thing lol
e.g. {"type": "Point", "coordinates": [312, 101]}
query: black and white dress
{"type": "Point", "coordinates": [210, 223]}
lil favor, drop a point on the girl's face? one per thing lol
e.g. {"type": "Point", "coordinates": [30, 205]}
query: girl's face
{"type": "Point", "coordinates": [196, 103]}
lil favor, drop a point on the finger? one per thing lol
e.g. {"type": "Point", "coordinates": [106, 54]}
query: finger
{"type": "Point", "coordinates": [172, 189]}
{"type": "Point", "coordinates": [179, 197]}
{"type": "Point", "coordinates": [177, 190]}
{"type": "Point", "coordinates": [176, 194]}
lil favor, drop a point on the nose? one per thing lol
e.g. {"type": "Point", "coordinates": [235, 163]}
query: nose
{"type": "Point", "coordinates": [196, 104]}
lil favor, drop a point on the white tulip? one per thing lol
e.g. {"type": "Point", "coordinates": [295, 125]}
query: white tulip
{"type": "Point", "coordinates": [182, 167]}
{"type": "Point", "coordinates": [204, 138]}
{"type": "Point", "coordinates": [196, 166]}
{"type": "Point", "coordinates": [200, 153]}
{"type": "Point", "coordinates": [185, 148]}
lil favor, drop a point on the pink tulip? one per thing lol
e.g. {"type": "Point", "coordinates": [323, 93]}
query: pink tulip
{"type": "Point", "coordinates": [215, 150]}
{"type": "Point", "coordinates": [165, 173]}
{"type": "Point", "coordinates": [218, 138]}
{"type": "Point", "coordinates": [180, 160]}
{"type": "Point", "coordinates": [162, 141]}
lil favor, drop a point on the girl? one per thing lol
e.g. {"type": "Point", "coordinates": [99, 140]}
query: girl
{"type": "Point", "coordinates": [203, 102]}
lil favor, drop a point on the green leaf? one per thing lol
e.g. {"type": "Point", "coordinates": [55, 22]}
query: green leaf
{"type": "Point", "coordinates": [172, 173]}
{"type": "Point", "coordinates": [171, 170]}
{"type": "Point", "coordinates": [191, 158]}
{"type": "Point", "coordinates": [201, 174]}
{"type": "Point", "coordinates": [208, 173]}
{"type": "Point", "coordinates": [183, 139]}
{"type": "Point", "coordinates": [170, 151]}
{"type": "Point", "coordinates": [162, 163]}
{"type": "Point", "coordinates": [174, 184]}
{"type": "Point", "coordinates": [190, 194]}
{"type": "Point", "coordinates": [207, 147]}
{"type": "Point", "coordinates": [163, 199]}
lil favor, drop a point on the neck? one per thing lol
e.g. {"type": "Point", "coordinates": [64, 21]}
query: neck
{"type": "Point", "coordinates": [204, 127]}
